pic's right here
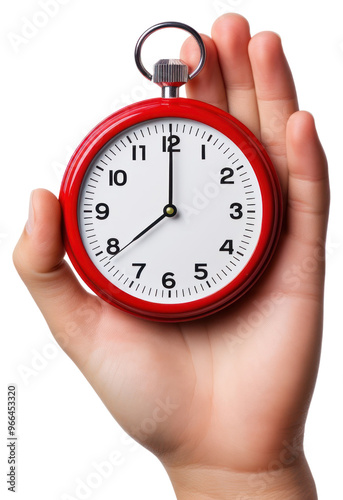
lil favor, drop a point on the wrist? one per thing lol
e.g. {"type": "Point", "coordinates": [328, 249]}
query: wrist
{"type": "Point", "coordinates": [196, 482]}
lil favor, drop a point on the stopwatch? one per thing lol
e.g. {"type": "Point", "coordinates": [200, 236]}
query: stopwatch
{"type": "Point", "coordinates": [171, 207]}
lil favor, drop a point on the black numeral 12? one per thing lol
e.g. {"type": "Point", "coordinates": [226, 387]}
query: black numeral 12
{"type": "Point", "coordinates": [173, 141]}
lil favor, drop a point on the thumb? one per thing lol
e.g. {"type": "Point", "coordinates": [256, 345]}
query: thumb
{"type": "Point", "coordinates": [70, 311]}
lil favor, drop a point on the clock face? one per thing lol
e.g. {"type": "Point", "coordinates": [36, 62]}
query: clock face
{"type": "Point", "coordinates": [170, 211]}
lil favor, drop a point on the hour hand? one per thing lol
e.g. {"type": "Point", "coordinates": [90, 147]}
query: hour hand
{"type": "Point", "coordinates": [168, 211]}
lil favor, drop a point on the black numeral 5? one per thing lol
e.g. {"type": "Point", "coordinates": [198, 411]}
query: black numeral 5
{"type": "Point", "coordinates": [200, 268]}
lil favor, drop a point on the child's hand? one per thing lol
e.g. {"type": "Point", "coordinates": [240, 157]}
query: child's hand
{"type": "Point", "coordinates": [221, 401]}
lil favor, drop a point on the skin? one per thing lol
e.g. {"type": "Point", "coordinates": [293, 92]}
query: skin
{"type": "Point", "coordinates": [221, 401]}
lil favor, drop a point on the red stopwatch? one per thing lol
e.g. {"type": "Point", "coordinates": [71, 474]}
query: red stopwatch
{"type": "Point", "coordinates": [172, 208]}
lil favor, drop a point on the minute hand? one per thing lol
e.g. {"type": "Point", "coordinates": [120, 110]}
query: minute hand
{"type": "Point", "coordinates": [161, 217]}
{"type": "Point", "coordinates": [171, 168]}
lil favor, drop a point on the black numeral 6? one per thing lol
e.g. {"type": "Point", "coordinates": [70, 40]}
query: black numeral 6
{"type": "Point", "coordinates": [168, 281]}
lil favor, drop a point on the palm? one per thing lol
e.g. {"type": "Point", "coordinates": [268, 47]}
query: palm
{"type": "Point", "coordinates": [227, 375]}
{"type": "Point", "coordinates": [238, 383]}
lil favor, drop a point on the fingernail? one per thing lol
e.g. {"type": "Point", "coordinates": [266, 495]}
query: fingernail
{"type": "Point", "coordinates": [31, 218]}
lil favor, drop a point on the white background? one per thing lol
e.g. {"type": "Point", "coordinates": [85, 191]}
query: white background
{"type": "Point", "coordinates": [74, 71]}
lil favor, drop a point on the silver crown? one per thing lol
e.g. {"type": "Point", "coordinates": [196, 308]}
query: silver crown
{"type": "Point", "coordinates": [170, 71]}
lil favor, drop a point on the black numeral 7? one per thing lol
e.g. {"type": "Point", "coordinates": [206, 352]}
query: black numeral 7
{"type": "Point", "coordinates": [140, 270]}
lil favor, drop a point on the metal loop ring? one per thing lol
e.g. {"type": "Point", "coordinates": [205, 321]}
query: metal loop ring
{"type": "Point", "coordinates": [169, 24]}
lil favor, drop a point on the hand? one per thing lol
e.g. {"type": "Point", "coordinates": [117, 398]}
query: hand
{"type": "Point", "coordinates": [221, 401]}
{"type": "Point", "coordinates": [153, 224]}
{"type": "Point", "coordinates": [171, 168]}
{"type": "Point", "coordinates": [168, 211]}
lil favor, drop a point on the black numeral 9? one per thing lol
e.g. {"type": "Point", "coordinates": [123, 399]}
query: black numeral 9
{"type": "Point", "coordinates": [103, 210]}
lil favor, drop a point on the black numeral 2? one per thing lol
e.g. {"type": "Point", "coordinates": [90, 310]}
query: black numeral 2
{"type": "Point", "coordinates": [227, 173]}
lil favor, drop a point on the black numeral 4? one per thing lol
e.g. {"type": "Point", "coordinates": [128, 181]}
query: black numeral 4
{"type": "Point", "coordinates": [227, 246]}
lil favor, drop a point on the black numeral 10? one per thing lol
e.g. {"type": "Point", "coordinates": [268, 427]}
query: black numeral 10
{"type": "Point", "coordinates": [118, 178]}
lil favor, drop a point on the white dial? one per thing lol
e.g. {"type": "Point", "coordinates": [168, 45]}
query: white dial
{"type": "Point", "coordinates": [170, 211]}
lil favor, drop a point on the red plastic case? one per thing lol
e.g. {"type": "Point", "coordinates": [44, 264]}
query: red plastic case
{"type": "Point", "coordinates": [226, 124]}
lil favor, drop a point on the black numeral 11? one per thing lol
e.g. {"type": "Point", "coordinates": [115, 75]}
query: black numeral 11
{"type": "Point", "coordinates": [134, 152]}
